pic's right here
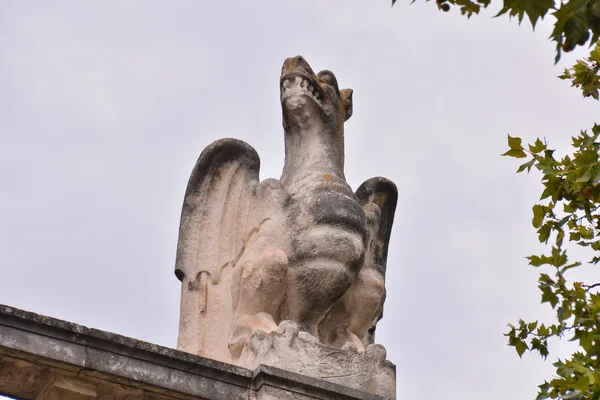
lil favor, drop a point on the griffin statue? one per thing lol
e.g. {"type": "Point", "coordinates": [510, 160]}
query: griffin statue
{"type": "Point", "coordinates": [304, 248]}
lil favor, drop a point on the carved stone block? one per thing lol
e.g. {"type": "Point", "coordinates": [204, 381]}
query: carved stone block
{"type": "Point", "coordinates": [292, 350]}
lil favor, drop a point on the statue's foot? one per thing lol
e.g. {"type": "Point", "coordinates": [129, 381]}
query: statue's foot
{"type": "Point", "coordinates": [242, 328]}
{"type": "Point", "coordinates": [286, 335]}
{"type": "Point", "coordinates": [353, 343]}
{"type": "Point", "coordinates": [377, 352]}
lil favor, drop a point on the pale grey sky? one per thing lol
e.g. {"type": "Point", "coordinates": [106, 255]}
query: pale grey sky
{"type": "Point", "coordinates": [104, 108]}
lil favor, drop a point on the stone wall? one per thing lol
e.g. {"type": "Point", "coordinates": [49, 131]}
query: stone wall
{"type": "Point", "coordinates": [45, 358]}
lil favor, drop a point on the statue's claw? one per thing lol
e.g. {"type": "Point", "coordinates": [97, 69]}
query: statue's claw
{"type": "Point", "coordinates": [377, 352]}
{"type": "Point", "coordinates": [288, 328]}
{"type": "Point", "coordinates": [349, 346]}
{"type": "Point", "coordinates": [354, 343]}
{"type": "Point", "coordinates": [245, 327]}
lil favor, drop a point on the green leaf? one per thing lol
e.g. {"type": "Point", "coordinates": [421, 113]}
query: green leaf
{"type": "Point", "coordinates": [544, 232]}
{"type": "Point", "coordinates": [514, 143]}
{"type": "Point", "coordinates": [527, 165]}
{"type": "Point", "coordinates": [516, 153]}
{"type": "Point", "coordinates": [568, 267]}
{"type": "Point", "coordinates": [516, 149]}
{"type": "Point", "coordinates": [538, 215]}
{"type": "Point", "coordinates": [586, 232]}
{"type": "Point", "coordinates": [520, 347]}
{"type": "Point", "coordinates": [595, 175]}
{"type": "Point", "coordinates": [585, 339]}
{"type": "Point", "coordinates": [560, 237]}
{"type": "Point", "coordinates": [566, 30]}
{"type": "Point", "coordinates": [537, 261]}
{"type": "Point", "coordinates": [563, 221]}
{"type": "Point", "coordinates": [543, 331]}
{"type": "Point", "coordinates": [535, 9]}
{"type": "Point", "coordinates": [566, 75]}
{"type": "Point", "coordinates": [570, 207]}
{"type": "Point", "coordinates": [588, 212]}
{"type": "Point", "coordinates": [548, 296]}
{"type": "Point", "coordinates": [540, 346]}
{"type": "Point", "coordinates": [537, 147]}
{"type": "Point", "coordinates": [545, 279]}
{"type": "Point", "coordinates": [585, 176]}
{"type": "Point", "coordinates": [532, 325]}
{"type": "Point", "coordinates": [563, 313]}
{"type": "Point", "coordinates": [590, 376]}
{"type": "Point", "coordinates": [549, 191]}
{"type": "Point", "coordinates": [559, 258]}
{"type": "Point", "coordinates": [543, 394]}
{"type": "Point", "coordinates": [595, 53]}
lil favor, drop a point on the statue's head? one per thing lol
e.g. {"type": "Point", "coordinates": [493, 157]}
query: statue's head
{"type": "Point", "coordinates": [312, 100]}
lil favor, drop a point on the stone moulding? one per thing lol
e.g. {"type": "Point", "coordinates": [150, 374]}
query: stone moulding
{"type": "Point", "coordinates": [46, 358]}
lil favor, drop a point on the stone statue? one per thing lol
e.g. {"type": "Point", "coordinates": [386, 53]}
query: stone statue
{"type": "Point", "coordinates": [304, 248]}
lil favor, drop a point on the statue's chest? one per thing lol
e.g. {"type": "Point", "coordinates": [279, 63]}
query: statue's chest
{"type": "Point", "coordinates": [337, 208]}
{"type": "Point", "coordinates": [328, 224]}
{"type": "Point", "coordinates": [327, 220]}
{"type": "Point", "coordinates": [328, 202]}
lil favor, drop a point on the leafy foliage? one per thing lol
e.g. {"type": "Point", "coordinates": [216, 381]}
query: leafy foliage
{"type": "Point", "coordinates": [466, 7]}
{"type": "Point", "coordinates": [576, 21]}
{"type": "Point", "coordinates": [568, 208]}
{"type": "Point", "coordinates": [584, 74]}
{"type": "Point", "coordinates": [535, 9]}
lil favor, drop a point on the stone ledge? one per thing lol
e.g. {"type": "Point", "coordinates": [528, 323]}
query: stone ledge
{"type": "Point", "coordinates": [266, 375]}
{"type": "Point", "coordinates": [36, 351]}
{"type": "Point", "coordinates": [288, 349]}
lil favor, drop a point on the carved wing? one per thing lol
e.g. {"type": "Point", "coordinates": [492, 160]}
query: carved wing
{"type": "Point", "coordinates": [214, 219]}
{"type": "Point", "coordinates": [383, 193]}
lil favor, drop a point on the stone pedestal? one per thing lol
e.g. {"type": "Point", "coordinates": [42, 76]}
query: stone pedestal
{"type": "Point", "coordinates": [291, 350]}
{"type": "Point", "coordinates": [45, 358]}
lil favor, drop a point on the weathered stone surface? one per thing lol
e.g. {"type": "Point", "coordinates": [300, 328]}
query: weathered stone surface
{"type": "Point", "coordinates": [304, 248]}
{"type": "Point", "coordinates": [45, 358]}
{"type": "Point", "coordinates": [64, 388]}
{"type": "Point", "coordinates": [45, 349]}
{"type": "Point", "coordinates": [289, 349]}
{"type": "Point", "coordinates": [276, 383]}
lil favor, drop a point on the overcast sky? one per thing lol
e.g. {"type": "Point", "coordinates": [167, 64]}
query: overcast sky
{"type": "Point", "coordinates": [105, 107]}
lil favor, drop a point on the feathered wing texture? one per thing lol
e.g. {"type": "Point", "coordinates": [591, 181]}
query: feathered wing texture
{"type": "Point", "coordinates": [215, 220]}
{"type": "Point", "coordinates": [384, 194]}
